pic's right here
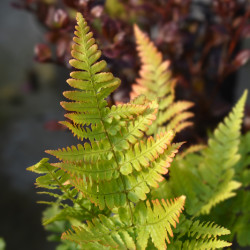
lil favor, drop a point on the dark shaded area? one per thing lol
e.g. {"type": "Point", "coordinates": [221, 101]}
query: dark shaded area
{"type": "Point", "coordinates": [21, 222]}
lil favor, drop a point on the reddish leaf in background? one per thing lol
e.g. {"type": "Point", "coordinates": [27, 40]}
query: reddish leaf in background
{"type": "Point", "coordinates": [201, 38]}
{"type": "Point", "coordinates": [240, 59]}
{"type": "Point", "coordinates": [71, 3]}
{"type": "Point", "coordinates": [54, 125]}
{"type": "Point", "coordinates": [97, 11]}
{"type": "Point", "coordinates": [246, 31]}
{"type": "Point", "coordinates": [60, 18]}
{"type": "Point", "coordinates": [42, 53]}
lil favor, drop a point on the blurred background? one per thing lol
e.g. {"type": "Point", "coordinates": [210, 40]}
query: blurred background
{"type": "Point", "coordinates": [208, 43]}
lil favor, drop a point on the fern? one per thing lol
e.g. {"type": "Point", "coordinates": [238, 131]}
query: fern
{"type": "Point", "coordinates": [192, 149]}
{"type": "Point", "coordinates": [221, 155]}
{"type": "Point", "coordinates": [112, 167]}
{"type": "Point", "coordinates": [110, 175]}
{"type": "Point", "coordinates": [206, 230]}
{"type": "Point", "coordinates": [116, 167]}
{"type": "Point", "coordinates": [199, 235]}
{"type": "Point", "coordinates": [53, 178]}
{"type": "Point", "coordinates": [234, 213]}
{"type": "Point", "coordinates": [205, 236]}
{"type": "Point", "coordinates": [156, 83]}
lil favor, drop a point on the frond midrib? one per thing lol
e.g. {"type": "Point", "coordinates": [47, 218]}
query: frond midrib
{"type": "Point", "coordinates": [107, 135]}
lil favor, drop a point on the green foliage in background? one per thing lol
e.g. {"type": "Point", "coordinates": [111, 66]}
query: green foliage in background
{"type": "Point", "coordinates": [2, 244]}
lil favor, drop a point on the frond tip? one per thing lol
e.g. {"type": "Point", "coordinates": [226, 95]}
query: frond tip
{"type": "Point", "coordinates": [92, 84]}
{"type": "Point", "coordinates": [221, 155]}
{"type": "Point", "coordinates": [156, 83]}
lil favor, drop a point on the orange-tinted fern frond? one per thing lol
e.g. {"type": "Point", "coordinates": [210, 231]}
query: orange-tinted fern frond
{"type": "Point", "coordinates": [156, 83]}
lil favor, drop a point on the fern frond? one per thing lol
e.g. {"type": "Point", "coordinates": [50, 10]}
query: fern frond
{"type": "Point", "coordinates": [151, 221]}
{"type": "Point", "coordinates": [153, 154]}
{"type": "Point", "coordinates": [206, 230]}
{"type": "Point", "coordinates": [156, 83]}
{"type": "Point", "coordinates": [221, 155]}
{"type": "Point", "coordinates": [208, 178]}
{"type": "Point", "coordinates": [52, 177]}
{"type": "Point", "coordinates": [94, 85]}
{"type": "Point", "coordinates": [205, 244]}
{"type": "Point", "coordinates": [141, 120]}
{"type": "Point", "coordinates": [223, 191]}
{"type": "Point", "coordinates": [158, 221]}
{"type": "Point", "coordinates": [112, 193]}
{"type": "Point", "coordinates": [145, 152]}
{"type": "Point", "coordinates": [109, 169]}
{"type": "Point", "coordinates": [115, 169]}
{"type": "Point", "coordinates": [94, 171]}
{"type": "Point", "coordinates": [84, 152]}
{"type": "Point", "coordinates": [96, 132]}
{"type": "Point", "coordinates": [192, 149]}
{"type": "Point", "coordinates": [106, 231]}
{"type": "Point", "coordinates": [199, 235]}
{"type": "Point", "coordinates": [223, 146]}
{"type": "Point", "coordinates": [141, 183]}
{"type": "Point", "coordinates": [234, 213]}
{"type": "Point", "coordinates": [67, 213]}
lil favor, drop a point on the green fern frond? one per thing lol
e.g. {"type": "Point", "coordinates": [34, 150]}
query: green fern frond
{"type": "Point", "coordinates": [106, 231]}
{"type": "Point", "coordinates": [208, 178]}
{"type": "Point", "coordinates": [205, 244]}
{"type": "Point", "coordinates": [221, 155]}
{"type": "Point", "coordinates": [84, 152]}
{"type": "Point", "coordinates": [224, 190]}
{"type": "Point", "coordinates": [151, 221]}
{"type": "Point", "coordinates": [192, 149]}
{"type": "Point", "coordinates": [156, 83]}
{"type": "Point", "coordinates": [199, 235]}
{"type": "Point", "coordinates": [235, 212]}
{"type": "Point", "coordinates": [67, 213]}
{"type": "Point", "coordinates": [120, 112]}
{"type": "Point", "coordinates": [52, 177]}
{"type": "Point", "coordinates": [94, 85]}
{"type": "Point", "coordinates": [223, 146]}
{"type": "Point", "coordinates": [206, 230]}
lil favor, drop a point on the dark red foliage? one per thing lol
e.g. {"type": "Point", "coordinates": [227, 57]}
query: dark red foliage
{"type": "Point", "coordinates": [42, 53]}
{"type": "Point", "coordinates": [54, 126]}
{"type": "Point", "coordinates": [201, 38]}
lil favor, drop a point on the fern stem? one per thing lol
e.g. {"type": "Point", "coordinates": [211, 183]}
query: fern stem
{"type": "Point", "coordinates": [115, 158]}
